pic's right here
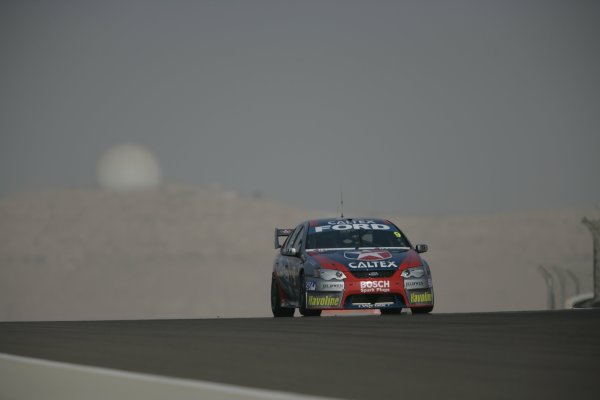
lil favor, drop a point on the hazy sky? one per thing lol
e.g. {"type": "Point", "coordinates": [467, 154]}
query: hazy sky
{"type": "Point", "coordinates": [416, 107]}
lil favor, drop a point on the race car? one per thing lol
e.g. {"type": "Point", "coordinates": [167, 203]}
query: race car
{"type": "Point", "coordinates": [348, 264]}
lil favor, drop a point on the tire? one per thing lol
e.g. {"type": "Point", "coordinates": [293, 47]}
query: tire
{"type": "Point", "coordinates": [390, 311]}
{"type": "Point", "coordinates": [421, 310]}
{"type": "Point", "coordinates": [303, 310]}
{"type": "Point", "coordinates": [276, 308]}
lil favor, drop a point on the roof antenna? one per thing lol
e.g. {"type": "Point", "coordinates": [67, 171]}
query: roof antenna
{"type": "Point", "coordinates": [341, 201]}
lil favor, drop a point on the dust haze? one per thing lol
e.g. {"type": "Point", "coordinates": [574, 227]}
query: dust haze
{"type": "Point", "coordinates": [415, 107]}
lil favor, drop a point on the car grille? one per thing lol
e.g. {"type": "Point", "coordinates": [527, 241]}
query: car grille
{"type": "Point", "coordinates": [373, 274]}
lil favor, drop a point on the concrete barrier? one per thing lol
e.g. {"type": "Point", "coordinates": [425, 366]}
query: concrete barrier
{"type": "Point", "coordinates": [30, 379]}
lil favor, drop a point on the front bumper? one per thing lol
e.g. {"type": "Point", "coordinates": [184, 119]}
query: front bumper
{"type": "Point", "coordinates": [368, 293]}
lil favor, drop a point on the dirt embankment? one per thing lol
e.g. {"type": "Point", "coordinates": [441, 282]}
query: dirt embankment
{"type": "Point", "coordinates": [191, 252]}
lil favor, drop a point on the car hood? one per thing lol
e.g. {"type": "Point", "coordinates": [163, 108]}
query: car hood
{"type": "Point", "coordinates": [366, 259]}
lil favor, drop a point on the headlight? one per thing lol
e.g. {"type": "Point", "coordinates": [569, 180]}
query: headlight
{"type": "Point", "coordinates": [328, 274]}
{"type": "Point", "coordinates": [413, 272]}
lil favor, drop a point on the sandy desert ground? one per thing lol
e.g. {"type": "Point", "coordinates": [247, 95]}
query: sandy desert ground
{"type": "Point", "coordinates": [202, 252]}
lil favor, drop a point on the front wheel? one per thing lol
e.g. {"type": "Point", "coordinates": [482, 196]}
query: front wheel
{"type": "Point", "coordinates": [303, 310]}
{"type": "Point", "coordinates": [276, 308]}
{"type": "Point", "coordinates": [422, 310]}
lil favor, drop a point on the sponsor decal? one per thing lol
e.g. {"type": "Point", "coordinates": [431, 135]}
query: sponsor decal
{"type": "Point", "coordinates": [348, 225]}
{"type": "Point", "coordinates": [374, 305]}
{"type": "Point", "coordinates": [364, 305]}
{"type": "Point", "coordinates": [311, 286]}
{"type": "Point", "coordinates": [322, 300]}
{"type": "Point", "coordinates": [374, 286]}
{"type": "Point", "coordinates": [331, 286]}
{"type": "Point", "coordinates": [373, 264]}
{"type": "Point", "coordinates": [351, 221]}
{"type": "Point", "coordinates": [370, 259]}
{"type": "Point", "coordinates": [421, 297]}
{"type": "Point", "coordinates": [416, 284]}
{"type": "Point", "coordinates": [368, 255]}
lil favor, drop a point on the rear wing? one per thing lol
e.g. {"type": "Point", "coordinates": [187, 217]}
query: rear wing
{"type": "Point", "coordinates": [279, 232]}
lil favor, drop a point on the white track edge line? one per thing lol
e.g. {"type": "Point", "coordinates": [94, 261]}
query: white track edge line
{"type": "Point", "coordinates": [191, 383]}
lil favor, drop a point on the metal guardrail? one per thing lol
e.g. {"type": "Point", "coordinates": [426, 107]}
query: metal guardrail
{"type": "Point", "coordinates": [562, 285]}
{"type": "Point", "coordinates": [556, 278]}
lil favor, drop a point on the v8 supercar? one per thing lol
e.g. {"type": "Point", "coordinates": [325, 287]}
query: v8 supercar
{"type": "Point", "coordinates": [348, 263]}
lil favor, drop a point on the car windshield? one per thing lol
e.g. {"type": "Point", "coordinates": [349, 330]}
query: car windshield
{"type": "Point", "coordinates": [355, 236]}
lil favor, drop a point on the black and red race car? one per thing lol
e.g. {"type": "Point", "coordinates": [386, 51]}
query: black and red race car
{"type": "Point", "coordinates": [349, 263]}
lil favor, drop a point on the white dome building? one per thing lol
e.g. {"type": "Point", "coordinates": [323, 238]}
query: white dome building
{"type": "Point", "coordinates": [128, 167]}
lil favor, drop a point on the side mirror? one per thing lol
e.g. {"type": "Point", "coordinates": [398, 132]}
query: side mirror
{"type": "Point", "coordinates": [291, 252]}
{"type": "Point", "coordinates": [421, 248]}
{"type": "Point", "coordinates": [279, 232]}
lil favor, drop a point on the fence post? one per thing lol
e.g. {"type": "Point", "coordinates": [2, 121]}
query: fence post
{"type": "Point", "coordinates": [562, 286]}
{"type": "Point", "coordinates": [594, 227]}
{"type": "Point", "coordinates": [549, 287]}
{"type": "Point", "coordinates": [575, 281]}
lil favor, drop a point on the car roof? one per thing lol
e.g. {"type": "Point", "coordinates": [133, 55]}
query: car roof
{"type": "Point", "coordinates": [351, 220]}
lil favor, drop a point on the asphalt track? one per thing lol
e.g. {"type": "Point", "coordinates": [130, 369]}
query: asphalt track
{"type": "Point", "coordinates": [525, 355]}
